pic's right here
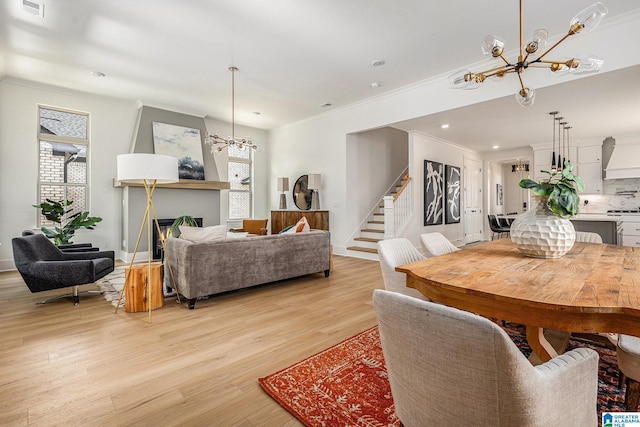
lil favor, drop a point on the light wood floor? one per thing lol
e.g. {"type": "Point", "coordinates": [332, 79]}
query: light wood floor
{"type": "Point", "coordinates": [62, 365]}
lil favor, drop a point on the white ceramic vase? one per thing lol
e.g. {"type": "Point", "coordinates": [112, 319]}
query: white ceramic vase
{"type": "Point", "coordinates": [540, 233]}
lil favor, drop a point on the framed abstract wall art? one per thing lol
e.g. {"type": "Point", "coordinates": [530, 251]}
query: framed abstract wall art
{"type": "Point", "coordinates": [433, 192]}
{"type": "Point", "coordinates": [452, 194]}
{"type": "Point", "coordinates": [184, 144]}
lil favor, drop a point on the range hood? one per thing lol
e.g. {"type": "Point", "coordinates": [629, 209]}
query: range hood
{"type": "Point", "coordinates": [621, 158]}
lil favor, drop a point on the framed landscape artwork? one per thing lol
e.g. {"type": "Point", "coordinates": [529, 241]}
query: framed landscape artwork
{"type": "Point", "coordinates": [184, 144]}
{"type": "Point", "coordinates": [452, 185]}
{"type": "Point", "coordinates": [433, 192]}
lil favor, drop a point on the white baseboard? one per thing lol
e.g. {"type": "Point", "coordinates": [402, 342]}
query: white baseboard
{"type": "Point", "coordinates": [7, 265]}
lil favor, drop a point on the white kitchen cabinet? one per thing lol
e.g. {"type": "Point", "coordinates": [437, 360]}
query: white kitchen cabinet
{"type": "Point", "coordinates": [589, 168]}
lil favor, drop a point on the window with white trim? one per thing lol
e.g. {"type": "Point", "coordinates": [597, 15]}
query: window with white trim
{"type": "Point", "coordinates": [63, 142]}
{"type": "Point", "coordinates": [240, 176]}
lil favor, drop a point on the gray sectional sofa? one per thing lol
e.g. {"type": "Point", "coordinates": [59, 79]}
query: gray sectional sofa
{"type": "Point", "coordinates": [207, 268]}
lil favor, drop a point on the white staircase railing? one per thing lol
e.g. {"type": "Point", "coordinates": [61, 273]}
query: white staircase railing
{"type": "Point", "coordinates": [398, 210]}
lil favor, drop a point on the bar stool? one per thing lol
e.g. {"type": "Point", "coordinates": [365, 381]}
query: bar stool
{"type": "Point", "coordinates": [628, 351]}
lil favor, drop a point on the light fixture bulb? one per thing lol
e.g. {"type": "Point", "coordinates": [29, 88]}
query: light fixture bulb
{"type": "Point", "coordinates": [537, 40]}
{"type": "Point", "coordinates": [588, 19]}
{"type": "Point", "coordinates": [492, 45]}
{"type": "Point", "coordinates": [526, 97]}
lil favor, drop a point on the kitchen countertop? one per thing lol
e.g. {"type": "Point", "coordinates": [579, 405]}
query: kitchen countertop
{"type": "Point", "coordinates": [596, 217]}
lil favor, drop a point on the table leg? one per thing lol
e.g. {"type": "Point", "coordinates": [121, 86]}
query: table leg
{"type": "Point", "coordinates": [539, 344]}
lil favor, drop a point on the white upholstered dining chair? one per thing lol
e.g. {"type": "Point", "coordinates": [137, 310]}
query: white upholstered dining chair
{"type": "Point", "coordinates": [588, 237]}
{"type": "Point", "coordinates": [436, 244]}
{"type": "Point", "coordinates": [448, 367]}
{"type": "Point", "coordinates": [395, 252]}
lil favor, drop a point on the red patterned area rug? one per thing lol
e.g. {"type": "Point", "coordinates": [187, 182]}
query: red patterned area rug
{"type": "Point", "coordinates": [346, 384]}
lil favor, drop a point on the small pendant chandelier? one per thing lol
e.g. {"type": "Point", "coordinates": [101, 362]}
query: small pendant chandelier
{"type": "Point", "coordinates": [218, 143]}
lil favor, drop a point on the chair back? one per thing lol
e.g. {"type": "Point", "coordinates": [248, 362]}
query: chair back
{"type": "Point", "coordinates": [35, 247]}
{"type": "Point", "coordinates": [255, 226]}
{"type": "Point", "coordinates": [436, 244]}
{"type": "Point", "coordinates": [451, 367]}
{"type": "Point", "coordinates": [395, 252]}
{"type": "Point", "coordinates": [493, 224]}
{"type": "Point", "coordinates": [588, 237]}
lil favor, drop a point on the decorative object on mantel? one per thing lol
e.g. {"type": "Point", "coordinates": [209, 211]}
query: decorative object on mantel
{"type": "Point", "coordinates": [545, 231]}
{"type": "Point", "coordinates": [148, 169]}
{"type": "Point", "coordinates": [314, 184]}
{"type": "Point", "coordinates": [182, 143]}
{"type": "Point", "coordinates": [283, 185]}
{"type": "Point", "coordinates": [218, 143]}
{"type": "Point", "coordinates": [585, 21]}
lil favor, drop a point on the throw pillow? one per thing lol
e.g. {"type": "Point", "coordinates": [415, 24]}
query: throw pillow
{"type": "Point", "coordinates": [284, 230]}
{"type": "Point", "coordinates": [302, 226]}
{"type": "Point", "coordinates": [202, 234]}
{"type": "Point", "coordinates": [236, 234]}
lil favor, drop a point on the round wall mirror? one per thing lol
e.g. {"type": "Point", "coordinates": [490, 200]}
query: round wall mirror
{"type": "Point", "coordinates": [302, 194]}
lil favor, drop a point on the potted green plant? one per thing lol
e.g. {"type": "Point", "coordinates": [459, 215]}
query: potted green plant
{"type": "Point", "coordinates": [57, 212]}
{"type": "Point", "coordinates": [561, 189]}
{"type": "Point", "coordinates": [545, 230]}
{"type": "Point", "coordinates": [174, 230]}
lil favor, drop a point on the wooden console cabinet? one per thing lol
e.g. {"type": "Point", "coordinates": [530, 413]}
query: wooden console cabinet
{"type": "Point", "coordinates": [318, 220]}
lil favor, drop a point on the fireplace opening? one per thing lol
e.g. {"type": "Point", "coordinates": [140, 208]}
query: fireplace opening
{"type": "Point", "coordinates": [164, 225]}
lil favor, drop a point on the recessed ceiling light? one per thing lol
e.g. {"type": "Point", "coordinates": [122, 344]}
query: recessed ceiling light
{"type": "Point", "coordinates": [97, 74]}
{"type": "Point", "coordinates": [445, 126]}
{"type": "Point", "coordinates": [375, 85]}
{"type": "Point", "coordinates": [495, 147]}
{"type": "Point", "coordinates": [326, 104]}
{"type": "Point", "coordinates": [377, 62]}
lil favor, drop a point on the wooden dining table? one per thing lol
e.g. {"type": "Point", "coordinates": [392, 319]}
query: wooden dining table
{"type": "Point", "coordinates": [593, 288]}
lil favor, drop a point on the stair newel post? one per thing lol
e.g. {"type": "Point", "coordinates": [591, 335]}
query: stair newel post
{"type": "Point", "coordinates": [389, 218]}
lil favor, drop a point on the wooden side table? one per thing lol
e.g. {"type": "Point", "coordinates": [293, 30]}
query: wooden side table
{"type": "Point", "coordinates": [136, 298]}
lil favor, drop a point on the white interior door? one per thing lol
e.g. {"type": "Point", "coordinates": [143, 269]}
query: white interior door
{"type": "Point", "coordinates": [472, 178]}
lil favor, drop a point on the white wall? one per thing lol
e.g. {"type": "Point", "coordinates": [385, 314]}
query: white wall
{"type": "Point", "coordinates": [424, 147]}
{"type": "Point", "coordinates": [112, 123]}
{"type": "Point", "coordinates": [375, 160]}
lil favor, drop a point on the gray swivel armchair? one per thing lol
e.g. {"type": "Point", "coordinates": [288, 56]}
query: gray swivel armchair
{"type": "Point", "coordinates": [44, 267]}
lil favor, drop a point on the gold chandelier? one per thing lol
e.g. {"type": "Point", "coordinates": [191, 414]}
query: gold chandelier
{"type": "Point", "coordinates": [218, 143]}
{"type": "Point", "coordinates": [584, 22]}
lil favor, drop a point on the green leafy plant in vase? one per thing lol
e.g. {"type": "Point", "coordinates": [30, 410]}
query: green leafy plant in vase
{"type": "Point", "coordinates": [58, 212]}
{"type": "Point", "coordinates": [561, 190]}
{"type": "Point", "coordinates": [545, 230]}
{"type": "Point", "coordinates": [174, 230]}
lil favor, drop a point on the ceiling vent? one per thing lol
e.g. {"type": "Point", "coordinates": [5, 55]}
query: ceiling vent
{"type": "Point", "coordinates": [33, 7]}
